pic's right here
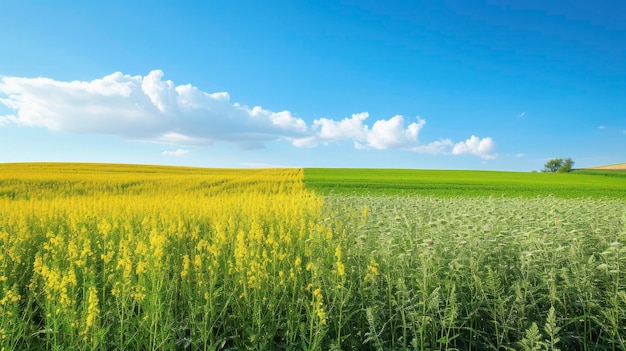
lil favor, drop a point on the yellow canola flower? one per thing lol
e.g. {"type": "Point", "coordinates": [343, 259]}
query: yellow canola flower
{"type": "Point", "coordinates": [197, 262]}
{"type": "Point", "coordinates": [10, 296]}
{"type": "Point", "coordinates": [122, 228]}
{"type": "Point", "coordinates": [341, 271]}
{"type": "Point", "coordinates": [318, 305]}
{"type": "Point", "coordinates": [142, 267]}
{"type": "Point", "coordinates": [298, 264]}
{"type": "Point", "coordinates": [107, 257]}
{"type": "Point", "coordinates": [372, 271]}
{"type": "Point", "coordinates": [186, 264]}
{"type": "Point", "coordinates": [93, 310]}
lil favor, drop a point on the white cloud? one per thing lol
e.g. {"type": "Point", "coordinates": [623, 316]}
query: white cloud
{"type": "Point", "coordinates": [149, 108]}
{"type": "Point", "coordinates": [519, 155]}
{"type": "Point", "coordinates": [601, 127]}
{"type": "Point", "coordinates": [435, 147]}
{"type": "Point", "coordinates": [282, 119]}
{"type": "Point", "coordinates": [483, 147]}
{"type": "Point", "coordinates": [181, 139]}
{"type": "Point", "coordinates": [4, 120]}
{"type": "Point", "coordinates": [390, 134]}
{"type": "Point", "coordinates": [176, 153]}
{"type": "Point", "coordinates": [348, 128]}
{"type": "Point", "coordinates": [384, 134]}
{"type": "Point", "coordinates": [106, 105]}
{"type": "Point", "coordinates": [143, 108]}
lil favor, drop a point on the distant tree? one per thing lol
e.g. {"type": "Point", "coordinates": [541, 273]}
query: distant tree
{"type": "Point", "coordinates": [558, 165]}
{"type": "Point", "coordinates": [553, 165]}
{"type": "Point", "coordinates": [567, 166]}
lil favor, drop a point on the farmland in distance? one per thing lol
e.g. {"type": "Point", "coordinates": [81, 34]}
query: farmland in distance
{"type": "Point", "coordinates": [354, 181]}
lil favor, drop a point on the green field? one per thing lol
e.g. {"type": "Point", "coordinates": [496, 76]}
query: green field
{"type": "Point", "coordinates": [580, 184]}
{"type": "Point", "coordinates": [488, 260]}
{"type": "Point", "coordinates": [601, 172]}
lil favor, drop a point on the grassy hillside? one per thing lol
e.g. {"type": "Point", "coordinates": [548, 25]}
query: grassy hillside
{"type": "Point", "coordinates": [602, 172]}
{"type": "Point", "coordinates": [463, 183]}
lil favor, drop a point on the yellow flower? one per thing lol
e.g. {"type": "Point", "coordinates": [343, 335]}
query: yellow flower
{"type": "Point", "coordinates": [298, 264]}
{"type": "Point", "coordinates": [340, 267]}
{"type": "Point", "coordinates": [141, 267]}
{"type": "Point", "coordinates": [93, 310]}
{"type": "Point", "coordinates": [318, 305]}
{"type": "Point", "coordinates": [186, 263]}
{"type": "Point", "coordinates": [341, 271]}
{"type": "Point", "coordinates": [197, 262]}
{"type": "Point", "coordinates": [108, 257]}
{"type": "Point", "coordinates": [372, 271]}
{"type": "Point", "coordinates": [321, 314]}
{"type": "Point", "coordinates": [10, 296]}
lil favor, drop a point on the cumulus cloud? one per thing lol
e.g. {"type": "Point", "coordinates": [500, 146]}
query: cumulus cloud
{"type": "Point", "coordinates": [4, 120]}
{"type": "Point", "coordinates": [176, 153]}
{"type": "Point", "coordinates": [436, 147]}
{"type": "Point", "coordinates": [143, 108]}
{"type": "Point", "coordinates": [348, 128]}
{"type": "Point", "coordinates": [384, 134]}
{"type": "Point", "coordinates": [149, 108]}
{"type": "Point", "coordinates": [388, 134]}
{"type": "Point", "coordinates": [483, 147]}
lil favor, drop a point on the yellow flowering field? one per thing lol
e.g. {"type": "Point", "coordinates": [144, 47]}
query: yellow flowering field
{"type": "Point", "coordinates": [144, 257]}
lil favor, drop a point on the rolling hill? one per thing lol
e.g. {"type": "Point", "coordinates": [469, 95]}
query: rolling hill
{"type": "Point", "coordinates": [614, 167]}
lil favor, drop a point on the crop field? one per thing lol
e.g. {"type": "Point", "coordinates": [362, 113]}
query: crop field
{"type": "Point", "coordinates": [120, 257]}
{"type": "Point", "coordinates": [614, 167]}
{"type": "Point", "coordinates": [354, 181]}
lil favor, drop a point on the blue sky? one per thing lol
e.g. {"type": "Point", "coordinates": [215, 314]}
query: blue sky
{"type": "Point", "coordinates": [499, 85]}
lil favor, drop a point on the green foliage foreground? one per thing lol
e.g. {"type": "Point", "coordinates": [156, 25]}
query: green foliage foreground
{"type": "Point", "coordinates": [485, 273]}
